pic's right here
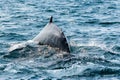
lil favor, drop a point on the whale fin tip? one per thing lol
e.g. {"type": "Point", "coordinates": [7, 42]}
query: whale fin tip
{"type": "Point", "coordinates": [51, 19]}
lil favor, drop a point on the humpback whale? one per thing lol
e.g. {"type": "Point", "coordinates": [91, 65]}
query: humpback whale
{"type": "Point", "coordinates": [52, 36]}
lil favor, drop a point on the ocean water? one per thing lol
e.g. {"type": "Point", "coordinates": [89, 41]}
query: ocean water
{"type": "Point", "coordinates": [92, 28]}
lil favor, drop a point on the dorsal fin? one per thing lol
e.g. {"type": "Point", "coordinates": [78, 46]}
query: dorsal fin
{"type": "Point", "coordinates": [51, 19]}
{"type": "Point", "coordinates": [53, 36]}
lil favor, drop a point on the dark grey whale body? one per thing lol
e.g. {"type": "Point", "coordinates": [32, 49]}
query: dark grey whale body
{"type": "Point", "coordinates": [53, 36]}
{"type": "Point", "coordinates": [50, 35]}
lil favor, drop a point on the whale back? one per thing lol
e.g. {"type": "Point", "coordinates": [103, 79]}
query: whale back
{"type": "Point", "coordinates": [53, 36]}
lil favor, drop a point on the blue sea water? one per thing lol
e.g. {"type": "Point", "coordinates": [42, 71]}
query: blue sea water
{"type": "Point", "coordinates": [92, 28]}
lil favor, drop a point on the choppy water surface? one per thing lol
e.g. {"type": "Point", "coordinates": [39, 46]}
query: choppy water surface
{"type": "Point", "coordinates": [91, 26]}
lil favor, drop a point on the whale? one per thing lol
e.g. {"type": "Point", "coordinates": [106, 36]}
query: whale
{"type": "Point", "coordinates": [52, 36]}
